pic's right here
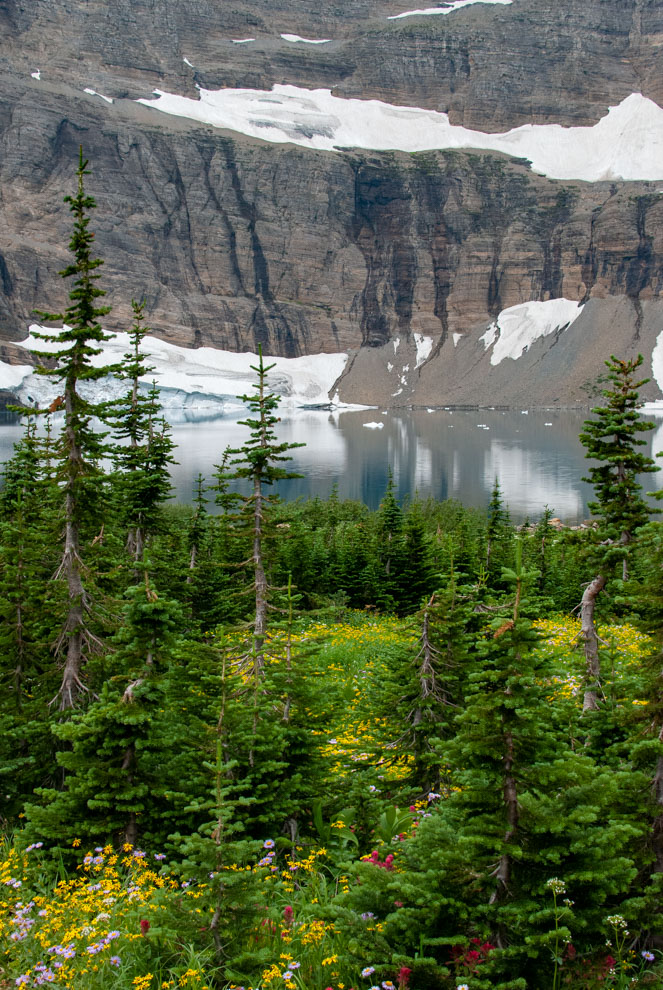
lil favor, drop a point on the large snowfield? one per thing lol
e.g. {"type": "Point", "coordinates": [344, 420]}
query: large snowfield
{"type": "Point", "coordinates": [627, 143]}
{"type": "Point", "coordinates": [201, 376]}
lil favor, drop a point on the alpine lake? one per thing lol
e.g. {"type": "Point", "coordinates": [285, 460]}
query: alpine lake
{"type": "Point", "coordinates": [535, 455]}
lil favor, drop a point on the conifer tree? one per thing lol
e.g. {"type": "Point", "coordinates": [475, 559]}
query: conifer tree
{"type": "Point", "coordinates": [612, 440]}
{"type": "Point", "coordinates": [27, 675]}
{"type": "Point", "coordinates": [498, 525]}
{"type": "Point", "coordinates": [79, 447]}
{"type": "Point", "coordinates": [427, 694]}
{"type": "Point", "coordinates": [144, 483]}
{"type": "Point", "coordinates": [417, 577]}
{"type": "Point", "coordinates": [390, 547]}
{"type": "Point", "coordinates": [116, 781]}
{"type": "Point", "coordinates": [258, 461]}
{"type": "Point", "coordinates": [524, 807]}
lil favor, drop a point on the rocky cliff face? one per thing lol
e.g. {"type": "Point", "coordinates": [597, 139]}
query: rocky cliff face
{"type": "Point", "coordinates": [235, 242]}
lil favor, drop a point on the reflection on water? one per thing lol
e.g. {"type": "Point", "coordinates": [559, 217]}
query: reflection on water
{"type": "Point", "coordinates": [536, 456]}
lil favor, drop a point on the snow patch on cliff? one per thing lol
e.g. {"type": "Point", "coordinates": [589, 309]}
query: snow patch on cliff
{"type": "Point", "coordinates": [93, 92]}
{"type": "Point", "coordinates": [201, 374]}
{"type": "Point", "coordinates": [657, 366]}
{"type": "Point", "coordinates": [625, 144]}
{"type": "Point", "coordinates": [424, 347]}
{"type": "Point", "coordinates": [519, 326]}
{"type": "Point", "coordinates": [12, 375]}
{"type": "Point", "coordinates": [295, 38]}
{"type": "Point", "coordinates": [443, 10]}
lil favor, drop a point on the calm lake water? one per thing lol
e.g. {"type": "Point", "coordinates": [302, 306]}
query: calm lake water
{"type": "Point", "coordinates": [447, 454]}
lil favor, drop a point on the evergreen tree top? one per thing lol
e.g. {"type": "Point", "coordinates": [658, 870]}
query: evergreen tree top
{"type": "Point", "coordinates": [262, 451]}
{"type": "Point", "coordinates": [81, 329]}
{"type": "Point", "coordinates": [611, 439]}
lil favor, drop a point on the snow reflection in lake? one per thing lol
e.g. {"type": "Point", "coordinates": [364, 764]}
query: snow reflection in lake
{"type": "Point", "coordinates": [451, 453]}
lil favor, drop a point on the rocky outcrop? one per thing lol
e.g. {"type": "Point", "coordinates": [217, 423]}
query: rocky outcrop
{"type": "Point", "coordinates": [235, 243]}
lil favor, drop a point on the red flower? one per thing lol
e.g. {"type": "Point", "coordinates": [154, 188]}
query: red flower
{"type": "Point", "coordinates": [144, 926]}
{"type": "Point", "coordinates": [398, 904]}
{"type": "Point", "coordinates": [288, 914]}
{"type": "Point", "coordinates": [403, 977]}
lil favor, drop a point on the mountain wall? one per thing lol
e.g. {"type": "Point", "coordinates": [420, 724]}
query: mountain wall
{"type": "Point", "coordinates": [235, 242]}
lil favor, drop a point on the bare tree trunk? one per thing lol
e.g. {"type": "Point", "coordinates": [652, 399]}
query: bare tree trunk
{"type": "Point", "coordinates": [73, 633]}
{"type": "Point", "coordinates": [657, 826]}
{"type": "Point", "coordinates": [260, 581]}
{"type": "Point", "coordinates": [625, 539]}
{"type": "Point", "coordinates": [588, 633]}
{"type": "Point", "coordinates": [510, 793]}
{"type": "Point", "coordinates": [192, 563]}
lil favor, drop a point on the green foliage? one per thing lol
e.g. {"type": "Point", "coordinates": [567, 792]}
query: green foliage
{"type": "Point", "coordinates": [612, 440]}
{"type": "Point", "coordinates": [477, 827]}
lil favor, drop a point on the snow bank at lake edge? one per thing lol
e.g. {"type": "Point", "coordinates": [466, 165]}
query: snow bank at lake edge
{"type": "Point", "coordinates": [204, 371]}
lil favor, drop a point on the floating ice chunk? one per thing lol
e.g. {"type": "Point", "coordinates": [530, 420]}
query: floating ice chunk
{"type": "Point", "coordinates": [307, 41]}
{"type": "Point", "coordinates": [456, 337]}
{"type": "Point", "coordinates": [547, 424]}
{"type": "Point", "coordinates": [242, 41]}
{"type": "Point", "coordinates": [396, 342]}
{"type": "Point", "coordinates": [449, 9]}
{"type": "Point", "coordinates": [390, 366]}
{"type": "Point", "coordinates": [373, 426]}
{"type": "Point", "coordinates": [92, 92]}
{"type": "Point", "coordinates": [187, 62]}
{"type": "Point", "coordinates": [36, 75]}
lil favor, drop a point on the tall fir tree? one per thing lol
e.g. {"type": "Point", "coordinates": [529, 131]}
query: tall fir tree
{"type": "Point", "coordinates": [79, 448]}
{"type": "Point", "coordinates": [612, 440]}
{"type": "Point", "coordinates": [258, 461]}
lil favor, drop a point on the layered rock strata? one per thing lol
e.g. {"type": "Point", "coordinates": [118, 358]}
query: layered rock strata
{"type": "Point", "coordinates": [235, 243]}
